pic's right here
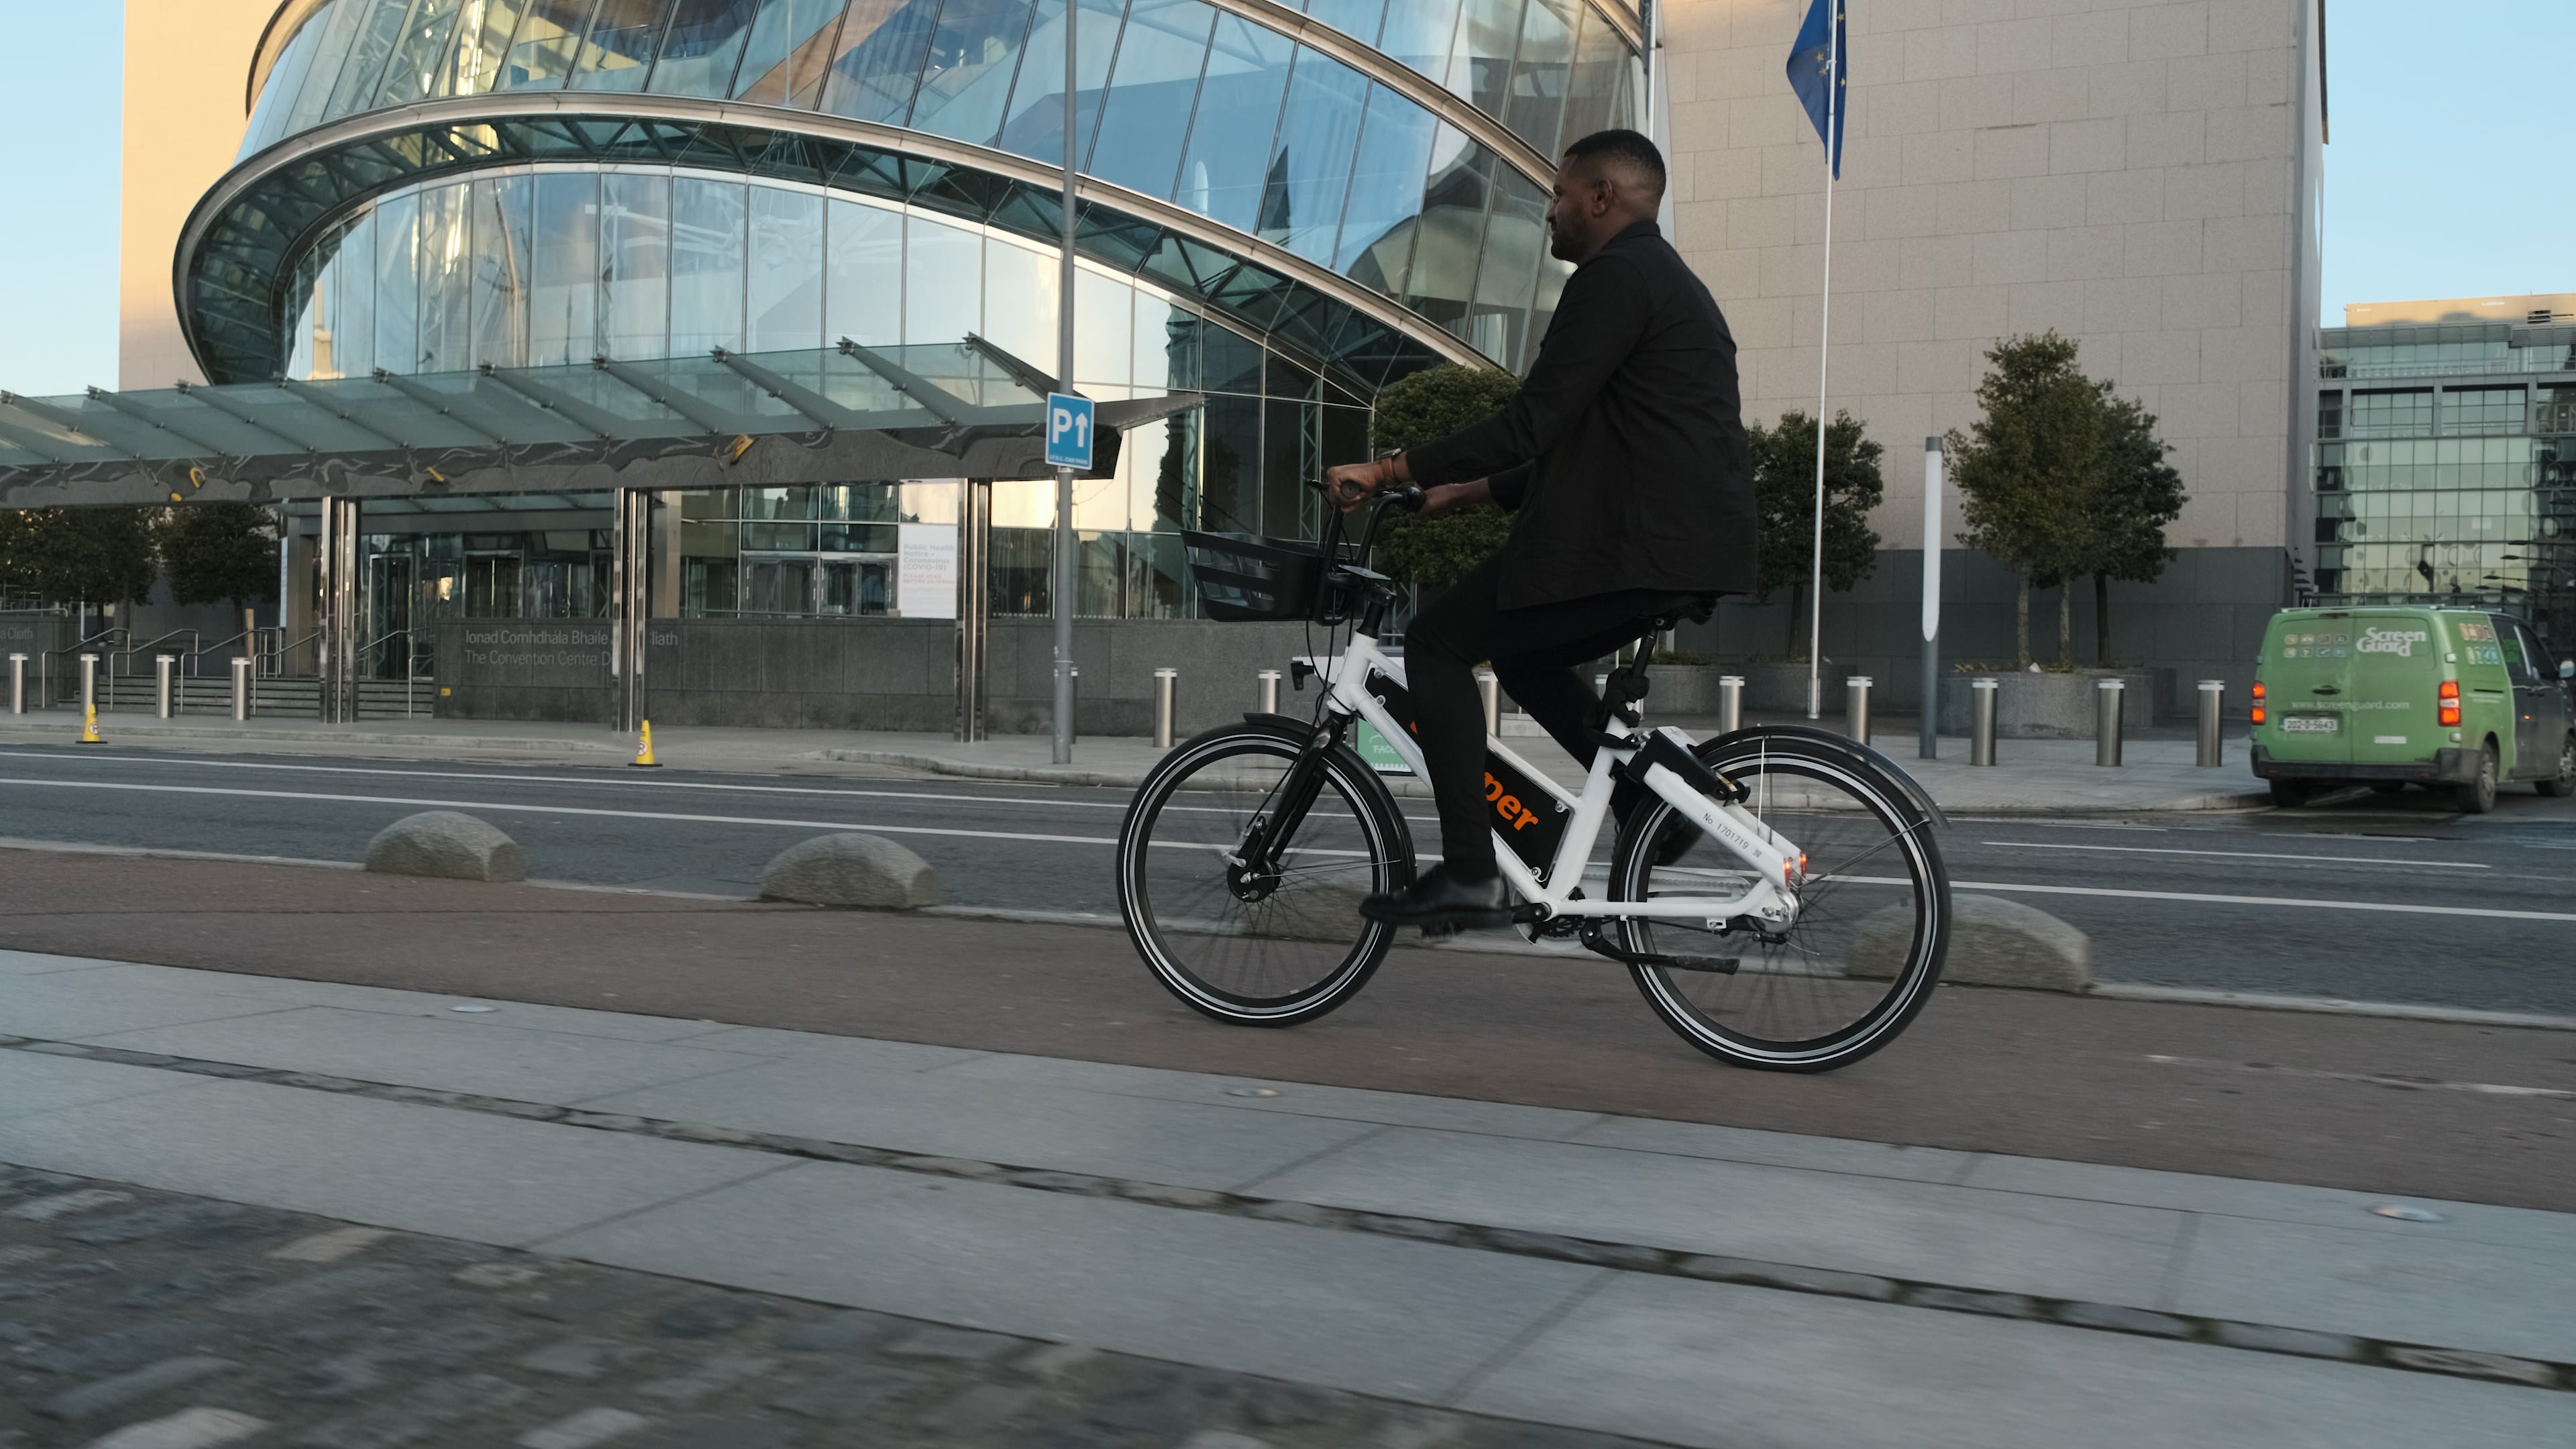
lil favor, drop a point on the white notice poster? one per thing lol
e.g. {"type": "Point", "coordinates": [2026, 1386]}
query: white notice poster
{"type": "Point", "coordinates": [925, 570]}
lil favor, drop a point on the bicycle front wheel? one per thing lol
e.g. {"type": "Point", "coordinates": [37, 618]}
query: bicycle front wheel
{"type": "Point", "coordinates": [1873, 914]}
{"type": "Point", "coordinates": [1259, 943]}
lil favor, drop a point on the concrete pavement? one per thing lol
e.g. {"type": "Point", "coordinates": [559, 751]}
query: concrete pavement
{"type": "Point", "coordinates": [2036, 777]}
{"type": "Point", "coordinates": [1675, 1281]}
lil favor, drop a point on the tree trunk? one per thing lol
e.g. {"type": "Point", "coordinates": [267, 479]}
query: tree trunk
{"type": "Point", "coordinates": [2102, 620]}
{"type": "Point", "coordinates": [2021, 623]}
{"type": "Point", "coordinates": [1797, 616]}
{"type": "Point", "coordinates": [2066, 623]}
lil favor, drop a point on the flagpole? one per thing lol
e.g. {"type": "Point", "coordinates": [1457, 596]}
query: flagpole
{"type": "Point", "coordinates": [1824, 341]}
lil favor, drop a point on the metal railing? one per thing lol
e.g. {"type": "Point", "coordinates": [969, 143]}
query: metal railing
{"type": "Point", "coordinates": [58, 679]}
{"type": "Point", "coordinates": [411, 667]}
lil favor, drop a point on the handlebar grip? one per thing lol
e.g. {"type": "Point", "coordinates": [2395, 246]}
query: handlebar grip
{"type": "Point", "coordinates": [1410, 498]}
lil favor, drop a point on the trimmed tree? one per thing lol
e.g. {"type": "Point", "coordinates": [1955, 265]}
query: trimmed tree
{"type": "Point", "coordinates": [77, 555]}
{"type": "Point", "coordinates": [219, 552]}
{"type": "Point", "coordinates": [2138, 493]}
{"type": "Point", "coordinates": [2028, 469]}
{"type": "Point", "coordinates": [1784, 486]}
{"type": "Point", "coordinates": [1413, 410]}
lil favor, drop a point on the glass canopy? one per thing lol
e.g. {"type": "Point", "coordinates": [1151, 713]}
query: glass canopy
{"type": "Point", "coordinates": [956, 389]}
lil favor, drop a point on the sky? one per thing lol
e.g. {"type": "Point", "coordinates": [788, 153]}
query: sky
{"type": "Point", "coordinates": [2439, 181]}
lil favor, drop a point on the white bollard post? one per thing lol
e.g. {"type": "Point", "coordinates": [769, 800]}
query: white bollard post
{"type": "Point", "coordinates": [2213, 697]}
{"type": "Point", "coordinates": [241, 686]}
{"type": "Point", "coordinates": [2106, 722]}
{"type": "Point", "coordinates": [1165, 681]}
{"type": "Point", "coordinates": [1266, 691]}
{"type": "Point", "coordinates": [17, 684]}
{"type": "Point", "coordinates": [1981, 720]}
{"type": "Point", "coordinates": [163, 667]}
{"type": "Point", "coordinates": [1856, 707]}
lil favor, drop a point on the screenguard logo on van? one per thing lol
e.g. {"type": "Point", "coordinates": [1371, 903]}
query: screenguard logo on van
{"type": "Point", "coordinates": [2400, 642]}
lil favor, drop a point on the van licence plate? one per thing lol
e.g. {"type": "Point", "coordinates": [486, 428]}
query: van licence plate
{"type": "Point", "coordinates": [2309, 724]}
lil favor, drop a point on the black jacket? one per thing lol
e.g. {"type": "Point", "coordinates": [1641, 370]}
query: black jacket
{"type": "Point", "coordinates": [1623, 453]}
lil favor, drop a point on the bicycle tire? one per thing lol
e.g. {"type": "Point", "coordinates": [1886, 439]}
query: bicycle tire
{"type": "Point", "coordinates": [1816, 1000]}
{"type": "Point", "coordinates": [1278, 959]}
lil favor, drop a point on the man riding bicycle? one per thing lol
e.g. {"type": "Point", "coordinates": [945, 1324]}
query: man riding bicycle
{"type": "Point", "coordinates": [1624, 461]}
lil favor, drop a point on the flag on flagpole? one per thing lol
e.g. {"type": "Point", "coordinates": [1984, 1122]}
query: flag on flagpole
{"type": "Point", "coordinates": [1820, 72]}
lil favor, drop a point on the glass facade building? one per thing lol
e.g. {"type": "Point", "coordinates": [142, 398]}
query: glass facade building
{"type": "Point", "coordinates": [2446, 467]}
{"type": "Point", "coordinates": [1285, 206]}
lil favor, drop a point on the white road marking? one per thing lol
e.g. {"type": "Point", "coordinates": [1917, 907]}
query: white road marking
{"type": "Point", "coordinates": [565, 810]}
{"type": "Point", "coordinates": [2206, 898]}
{"type": "Point", "coordinates": [2413, 1084]}
{"type": "Point", "coordinates": [2235, 854]}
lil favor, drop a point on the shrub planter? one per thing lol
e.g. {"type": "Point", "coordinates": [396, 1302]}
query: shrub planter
{"type": "Point", "coordinates": [1683, 688]}
{"type": "Point", "coordinates": [2049, 706]}
{"type": "Point", "coordinates": [1782, 688]}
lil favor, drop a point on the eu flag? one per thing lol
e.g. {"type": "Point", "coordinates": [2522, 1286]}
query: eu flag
{"type": "Point", "coordinates": [1820, 70]}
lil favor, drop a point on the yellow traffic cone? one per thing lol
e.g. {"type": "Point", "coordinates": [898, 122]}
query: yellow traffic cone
{"type": "Point", "coordinates": [89, 726]}
{"type": "Point", "coordinates": [644, 750]}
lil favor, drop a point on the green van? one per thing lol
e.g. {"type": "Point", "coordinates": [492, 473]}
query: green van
{"type": "Point", "coordinates": [2444, 698]}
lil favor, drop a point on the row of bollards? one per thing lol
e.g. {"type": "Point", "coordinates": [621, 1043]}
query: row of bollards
{"type": "Point", "coordinates": [165, 688]}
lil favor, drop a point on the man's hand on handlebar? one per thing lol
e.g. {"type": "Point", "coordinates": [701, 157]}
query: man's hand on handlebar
{"type": "Point", "coordinates": [1452, 497]}
{"type": "Point", "coordinates": [1353, 484]}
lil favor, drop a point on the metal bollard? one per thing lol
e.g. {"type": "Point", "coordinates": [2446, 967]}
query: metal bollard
{"type": "Point", "coordinates": [163, 667]}
{"type": "Point", "coordinates": [1165, 681]}
{"type": "Point", "coordinates": [1266, 691]}
{"type": "Point", "coordinates": [2213, 696]}
{"type": "Point", "coordinates": [241, 686]}
{"type": "Point", "coordinates": [1856, 707]}
{"type": "Point", "coordinates": [1981, 720]}
{"type": "Point", "coordinates": [17, 684]}
{"type": "Point", "coordinates": [1492, 691]}
{"type": "Point", "coordinates": [2106, 721]}
{"type": "Point", "coordinates": [89, 681]}
{"type": "Point", "coordinates": [1730, 703]}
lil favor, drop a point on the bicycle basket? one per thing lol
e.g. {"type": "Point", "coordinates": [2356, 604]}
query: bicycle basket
{"type": "Point", "coordinates": [1244, 580]}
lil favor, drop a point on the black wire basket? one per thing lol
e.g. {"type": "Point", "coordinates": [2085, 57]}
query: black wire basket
{"type": "Point", "coordinates": [1247, 580]}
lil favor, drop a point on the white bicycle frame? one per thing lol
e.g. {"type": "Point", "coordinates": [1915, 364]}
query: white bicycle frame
{"type": "Point", "coordinates": [1774, 862]}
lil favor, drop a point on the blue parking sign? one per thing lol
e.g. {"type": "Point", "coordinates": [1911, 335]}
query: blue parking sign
{"type": "Point", "coordinates": [1068, 431]}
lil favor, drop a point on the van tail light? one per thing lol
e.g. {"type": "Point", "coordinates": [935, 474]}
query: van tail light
{"type": "Point", "coordinates": [2260, 713]}
{"type": "Point", "coordinates": [2450, 715]}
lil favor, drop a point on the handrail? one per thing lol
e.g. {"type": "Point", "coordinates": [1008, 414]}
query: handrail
{"type": "Point", "coordinates": [285, 646]}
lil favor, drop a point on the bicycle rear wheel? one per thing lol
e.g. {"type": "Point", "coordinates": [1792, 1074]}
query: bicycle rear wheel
{"type": "Point", "coordinates": [1247, 945]}
{"type": "Point", "coordinates": [1872, 926]}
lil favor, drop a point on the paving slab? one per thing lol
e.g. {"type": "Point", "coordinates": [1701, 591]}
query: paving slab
{"type": "Point", "coordinates": [69, 1005]}
{"type": "Point", "coordinates": [945, 1114]}
{"type": "Point", "coordinates": [1375, 1315]}
{"type": "Point", "coordinates": [2412, 1289]}
{"type": "Point", "coordinates": [33, 1083]}
{"type": "Point", "coordinates": [1738, 1368]}
{"type": "Point", "coordinates": [2007, 1242]}
{"type": "Point", "coordinates": [488, 1179]}
{"type": "Point", "coordinates": [442, 1052]}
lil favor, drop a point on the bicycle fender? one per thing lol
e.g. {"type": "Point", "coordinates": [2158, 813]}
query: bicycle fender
{"type": "Point", "coordinates": [1845, 745]}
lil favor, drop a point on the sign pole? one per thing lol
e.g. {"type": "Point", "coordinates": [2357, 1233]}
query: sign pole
{"type": "Point", "coordinates": [1930, 735]}
{"type": "Point", "coordinates": [1824, 340]}
{"type": "Point", "coordinates": [1064, 583]}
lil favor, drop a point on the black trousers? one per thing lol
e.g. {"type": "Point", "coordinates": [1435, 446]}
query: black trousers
{"type": "Point", "coordinates": [1534, 652]}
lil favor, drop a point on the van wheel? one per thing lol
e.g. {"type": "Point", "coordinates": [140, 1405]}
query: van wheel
{"type": "Point", "coordinates": [2293, 792]}
{"type": "Point", "coordinates": [2564, 782]}
{"type": "Point", "coordinates": [2479, 795]}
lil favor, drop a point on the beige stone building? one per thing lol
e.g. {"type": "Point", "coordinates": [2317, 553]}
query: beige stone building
{"type": "Point", "coordinates": [187, 80]}
{"type": "Point", "coordinates": [2140, 175]}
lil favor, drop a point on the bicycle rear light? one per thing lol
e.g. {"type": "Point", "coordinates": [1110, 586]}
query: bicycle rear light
{"type": "Point", "coordinates": [2450, 706]}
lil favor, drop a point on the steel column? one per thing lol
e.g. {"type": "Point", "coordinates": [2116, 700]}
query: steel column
{"type": "Point", "coordinates": [337, 575]}
{"type": "Point", "coordinates": [974, 608]}
{"type": "Point", "coordinates": [631, 632]}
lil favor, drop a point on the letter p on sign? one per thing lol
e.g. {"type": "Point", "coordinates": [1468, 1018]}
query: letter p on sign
{"type": "Point", "coordinates": [1068, 431]}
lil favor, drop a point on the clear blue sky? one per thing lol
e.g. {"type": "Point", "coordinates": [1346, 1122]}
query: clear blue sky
{"type": "Point", "coordinates": [2442, 180]}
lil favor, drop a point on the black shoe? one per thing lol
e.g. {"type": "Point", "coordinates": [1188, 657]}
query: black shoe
{"type": "Point", "coordinates": [1438, 900]}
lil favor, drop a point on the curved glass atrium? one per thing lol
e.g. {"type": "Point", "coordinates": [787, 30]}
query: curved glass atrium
{"type": "Point", "coordinates": [1213, 108]}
